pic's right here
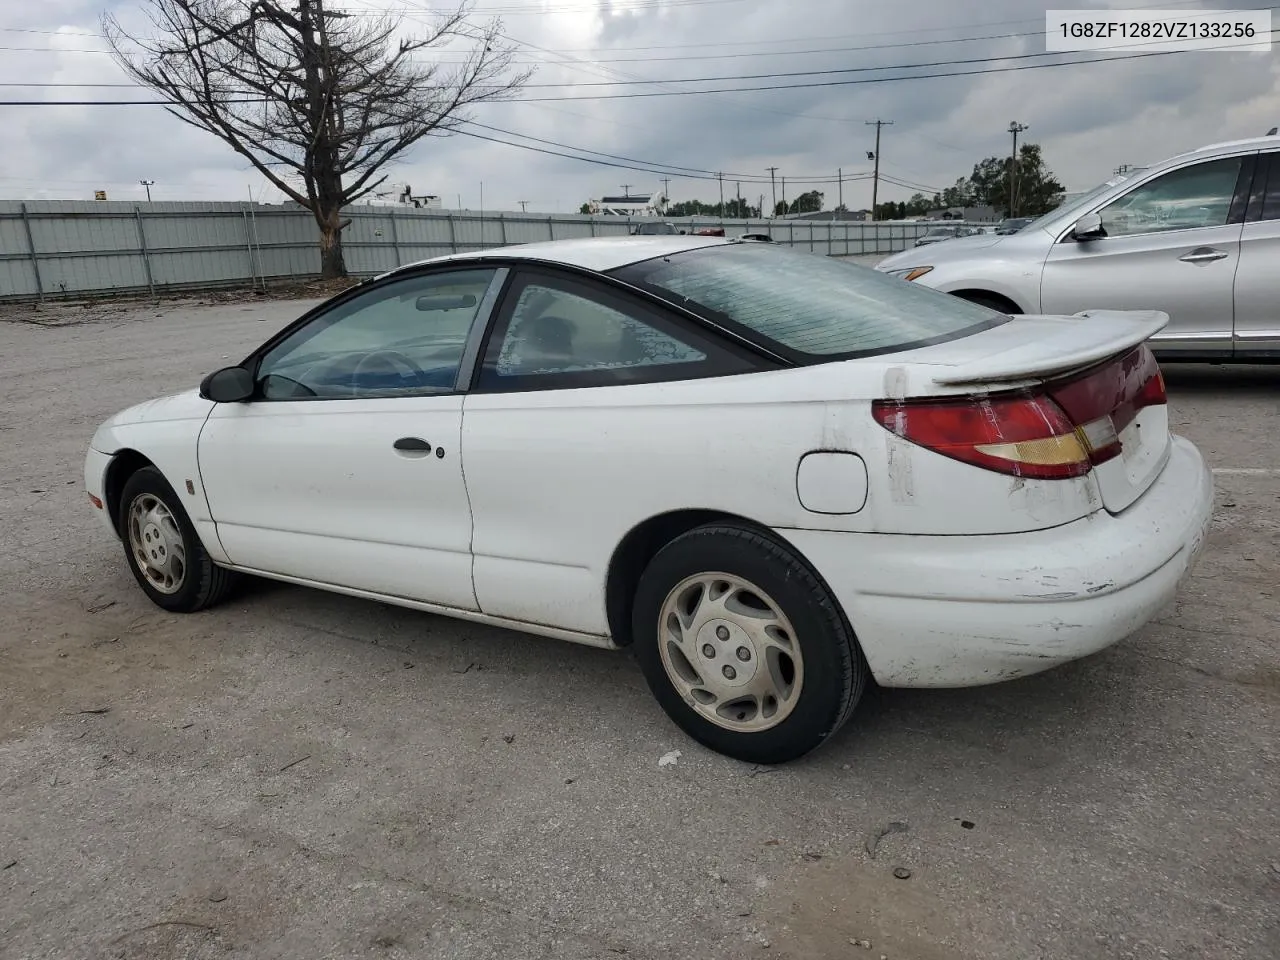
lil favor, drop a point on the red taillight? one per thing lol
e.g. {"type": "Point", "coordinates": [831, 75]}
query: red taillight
{"type": "Point", "coordinates": [1058, 433]}
{"type": "Point", "coordinates": [1023, 435]}
{"type": "Point", "coordinates": [1103, 401]}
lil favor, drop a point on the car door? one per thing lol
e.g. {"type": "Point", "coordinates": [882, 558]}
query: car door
{"type": "Point", "coordinates": [345, 468]}
{"type": "Point", "coordinates": [1172, 243]}
{"type": "Point", "coordinates": [575, 386]}
{"type": "Point", "coordinates": [1257, 303]}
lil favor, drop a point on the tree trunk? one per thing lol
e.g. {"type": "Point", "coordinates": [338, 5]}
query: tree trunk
{"type": "Point", "coordinates": [332, 265]}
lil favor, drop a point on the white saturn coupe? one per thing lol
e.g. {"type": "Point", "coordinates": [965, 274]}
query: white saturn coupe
{"type": "Point", "coordinates": [776, 476]}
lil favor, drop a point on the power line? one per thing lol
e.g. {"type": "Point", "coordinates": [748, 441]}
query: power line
{"type": "Point", "coordinates": [416, 12]}
{"type": "Point", "coordinates": [950, 28]}
{"type": "Point", "coordinates": [830, 72]}
{"type": "Point", "coordinates": [642, 81]}
{"type": "Point", "coordinates": [669, 93]}
{"type": "Point", "coordinates": [865, 80]}
{"type": "Point", "coordinates": [631, 164]}
{"type": "Point", "coordinates": [419, 10]}
{"type": "Point", "coordinates": [676, 169]}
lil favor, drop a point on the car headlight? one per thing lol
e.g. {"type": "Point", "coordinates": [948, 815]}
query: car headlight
{"type": "Point", "coordinates": [909, 273]}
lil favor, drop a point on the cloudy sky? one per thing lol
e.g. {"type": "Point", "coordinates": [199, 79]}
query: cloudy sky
{"type": "Point", "coordinates": [1088, 118]}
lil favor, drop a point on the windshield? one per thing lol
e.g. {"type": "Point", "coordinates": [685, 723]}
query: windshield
{"type": "Point", "coordinates": [1083, 201]}
{"type": "Point", "coordinates": [809, 306]}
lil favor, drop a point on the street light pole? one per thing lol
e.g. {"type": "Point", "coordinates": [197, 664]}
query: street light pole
{"type": "Point", "coordinates": [1015, 128]}
{"type": "Point", "coordinates": [147, 184]}
{"type": "Point", "coordinates": [875, 177]}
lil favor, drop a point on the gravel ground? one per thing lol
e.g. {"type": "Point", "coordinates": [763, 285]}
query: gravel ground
{"type": "Point", "coordinates": [302, 775]}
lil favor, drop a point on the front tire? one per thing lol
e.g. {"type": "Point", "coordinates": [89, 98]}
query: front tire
{"type": "Point", "coordinates": [743, 646]}
{"type": "Point", "coordinates": [998, 304]}
{"type": "Point", "coordinates": [162, 548]}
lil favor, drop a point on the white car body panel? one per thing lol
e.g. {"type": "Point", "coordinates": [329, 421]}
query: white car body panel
{"type": "Point", "coordinates": [942, 568]}
{"type": "Point", "coordinates": [1257, 307]}
{"type": "Point", "coordinates": [1059, 345]}
{"type": "Point", "coordinates": [948, 611]}
{"type": "Point", "coordinates": [165, 431]}
{"type": "Point", "coordinates": [558, 478]}
{"type": "Point", "coordinates": [371, 519]}
{"type": "Point", "coordinates": [1138, 272]}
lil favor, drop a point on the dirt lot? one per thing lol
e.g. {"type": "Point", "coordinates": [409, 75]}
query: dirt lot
{"type": "Point", "coordinates": [300, 775]}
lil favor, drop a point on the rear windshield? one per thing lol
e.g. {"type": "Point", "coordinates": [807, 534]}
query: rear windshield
{"type": "Point", "coordinates": [809, 306]}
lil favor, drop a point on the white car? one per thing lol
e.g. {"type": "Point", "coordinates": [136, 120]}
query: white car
{"type": "Point", "coordinates": [774, 475]}
{"type": "Point", "coordinates": [1196, 236]}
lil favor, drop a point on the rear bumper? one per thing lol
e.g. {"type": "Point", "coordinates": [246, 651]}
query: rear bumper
{"type": "Point", "coordinates": [967, 611]}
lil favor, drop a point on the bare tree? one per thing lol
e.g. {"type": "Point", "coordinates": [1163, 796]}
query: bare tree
{"type": "Point", "coordinates": [319, 101]}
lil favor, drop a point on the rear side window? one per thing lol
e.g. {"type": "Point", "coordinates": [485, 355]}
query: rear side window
{"type": "Point", "coordinates": [808, 306]}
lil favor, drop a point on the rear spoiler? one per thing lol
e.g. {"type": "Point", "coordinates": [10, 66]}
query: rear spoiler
{"type": "Point", "coordinates": [1083, 339]}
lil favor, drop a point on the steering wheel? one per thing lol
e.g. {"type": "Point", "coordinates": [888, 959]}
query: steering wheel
{"type": "Point", "coordinates": [390, 360]}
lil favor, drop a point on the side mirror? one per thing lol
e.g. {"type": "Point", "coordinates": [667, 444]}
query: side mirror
{"type": "Point", "coordinates": [228, 385]}
{"type": "Point", "coordinates": [1088, 227]}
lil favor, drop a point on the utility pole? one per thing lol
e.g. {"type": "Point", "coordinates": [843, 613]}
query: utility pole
{"type": "Point", "coordinates": [784, 196]}
{"type": "Point", "coordinates": [524, 205]}
{"type": "Point", "coordinates": [666, 192]}
{"type": "Point", "coordinates": [875, 177]}
{"type": "Point", "coordinates": [626, 190]}
{"type": "Point", "coordinates": [1015, 128]}
{"type": "Point", "coordinates": [773, 184]}
{"type": "Point", "coordinates": [740, 212]}
{"type": "Point", "coordinates": [147, 184]}
{"type": "Point", "coordinates": [840, 188]}
{"type": "Point", "coordinates": [720, 177]}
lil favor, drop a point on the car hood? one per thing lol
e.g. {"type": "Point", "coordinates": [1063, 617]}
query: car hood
{"type": "Point", "coordinates": [177, 406]}
{"type": "Point", "coordinates": [188, 405]}
{"type": "Point", "coordinates": [954, 249]}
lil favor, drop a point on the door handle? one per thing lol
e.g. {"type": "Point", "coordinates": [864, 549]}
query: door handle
{"type": "Point", "coordinates": [412, 445]}
{"type": "Point", "coordinates": [1203, 255]}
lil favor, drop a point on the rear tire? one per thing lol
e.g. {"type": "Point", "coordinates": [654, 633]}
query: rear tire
{"type": "Point", "coordinates": [743, 646]}
{"type": "Point", "coordinates": [162, 547]}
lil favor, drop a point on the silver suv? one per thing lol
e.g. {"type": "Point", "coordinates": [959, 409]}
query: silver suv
{"type": "Point", "coordinates": [1197, 237]}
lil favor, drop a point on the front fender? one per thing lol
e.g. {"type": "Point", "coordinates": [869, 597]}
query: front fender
{"type": "Point", "coordinates": [166, 433]}
{"type": "Point", "coordinates": [1018, 283]}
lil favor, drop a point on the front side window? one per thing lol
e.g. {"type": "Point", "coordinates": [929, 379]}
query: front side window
{"type": "Point", "coordinates": [1082, 202]}
{"type": "Point", "coordinates": [403, 338]}
{"type": "Point", "coordinates": [810, 307]}
{"type": "Point", "coordinates": [1271, 198]}
{"type": "Point", "coordinates": [1195, 196]}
